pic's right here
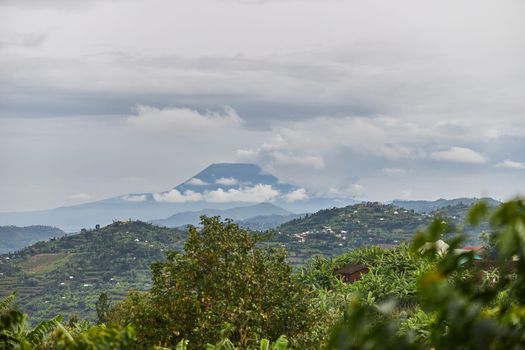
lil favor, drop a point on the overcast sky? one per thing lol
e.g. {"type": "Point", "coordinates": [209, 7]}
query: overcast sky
{"type": "Point", "coordinates": [376, 99]}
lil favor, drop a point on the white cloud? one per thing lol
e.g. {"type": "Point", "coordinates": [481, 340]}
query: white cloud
{"type": "Point", "coordinates": [316, 162]}
{"type": "Point", "coordinates": [174, 196]}
{"type": "Point", "coordinates": [352, 190]}
{"type": "Point", "coordinates": [459, 154]}
{"type": "Point", "coordinates": [406, 194]}
{"type": "Point", "coordinates": [394, 171]}
{"type": "Point", "coordinates": [226, 181]}
{"type": "Point", "coordinates": [257, 193]}
{"type": "Point", "coordinates": [196, 182]}
{"type": "Point", "coordinates": [297, 195]}
{"type": "Point", "coordinates": [254, 194]}
{"type": "Point", "coordinates": [80, 196]}
{"type": "Point", "coordinates": [180, 120]}
{"type": "Point", "coordinates": [135, 198]}
{"type": "Point", "coordinates": [510, 164]}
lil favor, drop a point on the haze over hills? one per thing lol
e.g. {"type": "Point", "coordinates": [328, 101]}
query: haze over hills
{"type": "Point", "coordinates": [254, 213]}
{"type": "Point", "coordinates": [13, 238]}
{"type": "Point", "coordinates": [430, 206]}
{"type": "Point", "coordinates": [219, 186]}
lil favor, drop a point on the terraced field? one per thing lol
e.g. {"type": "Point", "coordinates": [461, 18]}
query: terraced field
{"type": "Point", "coordinates": [66, 275]}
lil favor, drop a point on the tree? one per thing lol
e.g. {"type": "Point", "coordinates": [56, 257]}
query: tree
{"type": "Point", "coordinates": [103, 305]}
{"type": "Point", "coordinates": [222, 286]}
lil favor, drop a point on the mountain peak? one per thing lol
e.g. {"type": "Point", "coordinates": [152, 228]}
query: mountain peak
{"type": "Point", "coordinates": [231, 175]}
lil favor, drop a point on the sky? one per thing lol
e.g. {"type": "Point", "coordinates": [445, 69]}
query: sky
{"type": "Point", "coordinates": [377, 100]}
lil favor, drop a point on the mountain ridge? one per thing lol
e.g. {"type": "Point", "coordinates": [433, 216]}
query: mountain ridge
{"type": "Point", "coordinates": [219, 186]}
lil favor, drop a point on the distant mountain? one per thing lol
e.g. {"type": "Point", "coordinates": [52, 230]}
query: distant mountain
{"type": "Point", "coordinates": [66, 275]}
{"type": "Point", "coordinates": [430, 206]}
{"type": "Point", "coordinates": [267, 222]}
{"type": "Point", "coordinates": [220, 186]}
{"type": "Point", "coordinates": [237, 214]}
{"type": "Point", "coordinates": [13, 238]}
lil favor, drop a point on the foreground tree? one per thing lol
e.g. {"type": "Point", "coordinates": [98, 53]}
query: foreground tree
{"type": "Point", "coordinates": [223, 285]}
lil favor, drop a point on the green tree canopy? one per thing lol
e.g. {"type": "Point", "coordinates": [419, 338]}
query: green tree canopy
{"type": "Point", "coordinates": [222, 285]}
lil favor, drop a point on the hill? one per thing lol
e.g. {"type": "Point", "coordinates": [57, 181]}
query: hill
{"type": "Point", "coordinates": [66, 275]}
{"type": "Point", "coordinates": [236, 214]}
{"type": "Point", "coordinates": [267, 222]}
{"type": "Point", "coordinates": [13, 238]}
{"type": "Point", "coordinates": [423, 206]}
{"type": "Point", "coordinates": [331, 232]}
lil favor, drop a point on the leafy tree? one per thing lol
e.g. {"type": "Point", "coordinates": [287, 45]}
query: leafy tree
{"type": "Point", "coordinates": [223, 285]}
{"type": "Point", "coordinates": [103, 305]}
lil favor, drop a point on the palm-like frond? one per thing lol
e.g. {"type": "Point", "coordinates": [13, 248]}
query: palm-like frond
{"type": "Point", "coordinates": [36, 336]}
{"type": "Point", "coordinates": [6, 302]}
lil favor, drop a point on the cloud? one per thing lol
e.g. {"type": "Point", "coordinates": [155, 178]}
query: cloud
{"type": "Point", "coordinates": [196, 182]}
{"type": "Point", "coordinates": [510, 164]}
{"type": "Point", "coordinates": [459, 154]}
{"type": "Point", "coordinates": [174, 196]}
{"type": "Point", "coordinates": [297, 195]}
{"type": "Point", "coordinates": [23, 40]}
{"type": "Point", "coordinates": [180, 120]}
{"type": "Point", "coordinates": [135, 198]}
{"type": "Point", "coordinates": [226, 181]}
{"type": "Point", "coordinates": [393, 171]}
{"type": "Point", "coordinates": [255, 194]}
{"type": "Point", "coordinates": [352, 190]}
{"type": "Point", "coordinates": [80, 196]}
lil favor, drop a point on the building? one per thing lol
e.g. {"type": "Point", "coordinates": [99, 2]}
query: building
{"type": "Point", "coordinates": [351, 272]}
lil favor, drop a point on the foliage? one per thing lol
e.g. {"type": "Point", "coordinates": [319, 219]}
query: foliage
{"type": "Point", "coordinates": [221, 286]}
{"type": "Point", "coordinates": [103, 306]}
{"type": "Point", "coordinates": [15, 332]}
{"type": "Point", "coordinates": [67, 275]}
{"type": "Point", "coordinates": [280, 344]}
{"type": "Point", "coordinates": [460, 313]}
{"type": "Point", "coordinates": [392, 272]}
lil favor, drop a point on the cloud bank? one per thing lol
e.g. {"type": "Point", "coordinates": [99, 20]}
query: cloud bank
{"type": "Point", "coordinates": [180, 120]}
{"type": "Point", "coordinates": [250, 194]}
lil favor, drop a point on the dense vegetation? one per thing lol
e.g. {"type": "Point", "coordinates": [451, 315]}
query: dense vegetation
{"type": "Point", "coordinates": [66, 275]}
{"type": "Point", "coordinates": [116, 258]}
{"type": "Point", "coordinates": [225, 289]}
{"type": "Point", "coordinates": [14, 238]}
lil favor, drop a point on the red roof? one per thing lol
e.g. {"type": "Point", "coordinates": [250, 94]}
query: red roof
{"type": "Point", "coordinates": [473, 247]}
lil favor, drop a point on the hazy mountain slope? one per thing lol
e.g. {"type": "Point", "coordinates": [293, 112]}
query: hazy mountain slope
{"type": "Point", "coordinates": [267, 222]}
{"type": "Point", "coordinates": [237, 214]}
{"type": "Point", "coordinates": [430, 206]}
{"type": "Point", "coordinates": [13, 238]}
{"type": "Point", "coordinates": [67, 275]}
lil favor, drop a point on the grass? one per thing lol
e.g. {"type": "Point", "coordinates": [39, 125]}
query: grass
{"type": "Point", "coordinates": [44, 263]}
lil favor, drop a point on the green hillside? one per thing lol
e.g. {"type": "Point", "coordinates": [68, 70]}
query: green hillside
{"type": "Point", "coordinates": [431, 206]}
{"type": "Point", "coordinates": [66, 275]}
{"type": "Point", "coordinates": [334, 231]}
